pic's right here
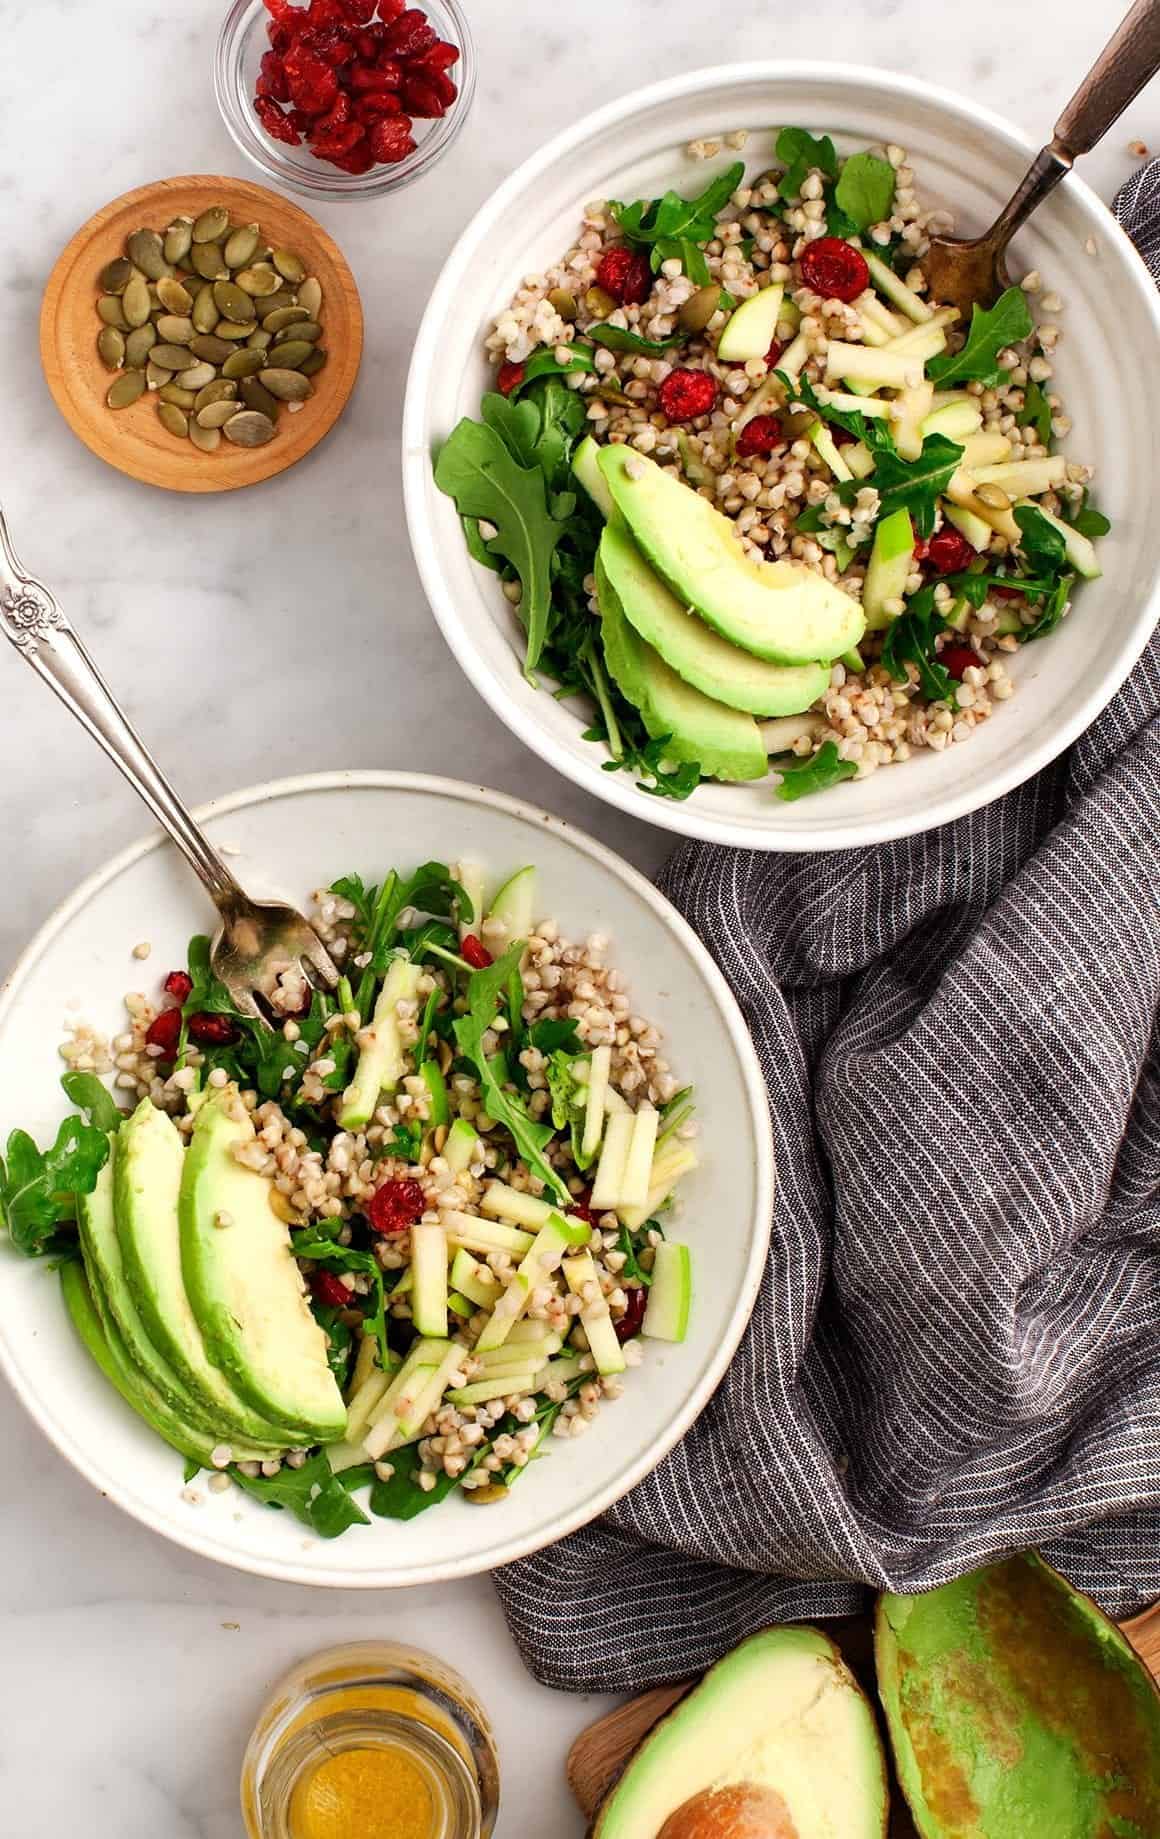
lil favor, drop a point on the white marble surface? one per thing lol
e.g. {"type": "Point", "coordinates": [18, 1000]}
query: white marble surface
{"type": "Point", "coordinates": [246, 636]}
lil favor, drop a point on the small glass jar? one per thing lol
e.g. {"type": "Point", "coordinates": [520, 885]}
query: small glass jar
{"type": "Point", "coordinates": [355, 1716]}
{"type": "Point", "coordinates": [240, 46]}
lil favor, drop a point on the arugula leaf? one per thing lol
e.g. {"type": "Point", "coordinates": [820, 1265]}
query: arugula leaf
{"type": "Point", "coordinates": [1054, 607]}
{"type": "Point", "coordinates": [1086, 519]}
{"type": "Point", "coordinates": [476, 468]}
{"type": "Point", "coordinates": [873, 430]}
{"type": "Point", "coordinates": [313, 1494]}
{"type": "Point", "coordinates": [401, 1498]}
{"type": "Point", "coordinates": [310, 1243]}
{"type": "Point", "coordinates": [865, 189]}
{"type": "Point", "coordinates": [553, 1033]}
{"type": "Point", "coordinates": [38, 1189]}
{"type": "Point", "coordinates": [798, 152]}
{"type": "Point", "coordinates": [361, 898]}
{"type": "Point", "coordinates": [817, 773]}
{"type": "Point", "coordinates": [910, 639]}
{"type": "Point", "coordinates": [485, 989]}
{"type": "Point", "coordinates": [569, 1101]}
{"type": "Point", "coordinates": [1036, 412]}
{"type": "Point", "coordinates": [618, 338]}
{"type": "Point", "coordinates": [913, 484]}
{"type": "Point", "coordinates": [992, 330]}
{"type": "Point", "coordinates": [1040, 541]}
{"type": "Point", "coordinates": [545, 364]}
{"type": "Point", "coordinates": [632, 1268]}
{"type": "Point", "coordinates": [89, 1095]}
{"type": "Point", "coordinates": [339, 1341]}
{"type": "Point", "coordinates": [673, 220]}
{"type": "Point", "coordinates": [680, 249]}
{"type": "Point", "coordinates": [477, 547]}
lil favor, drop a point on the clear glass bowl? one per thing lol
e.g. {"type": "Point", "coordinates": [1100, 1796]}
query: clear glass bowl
{"type": "Point", "coordinates": [240, 46]}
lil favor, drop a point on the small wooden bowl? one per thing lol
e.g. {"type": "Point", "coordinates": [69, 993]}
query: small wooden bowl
{"type": "Point", "coordinates": [133, 439]}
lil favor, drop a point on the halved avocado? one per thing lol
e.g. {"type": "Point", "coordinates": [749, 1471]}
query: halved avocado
{"type": "Point", "coordinates": [1017, 1710]}
{"type": "Point", "coordinates": [243, 1284]}
{"type": "Point", "coordinates": [697, 653]}
{"type": "Point", "coordinates": [777, 1742]}
{"type": "Point", "coordinates": [725, 743]}
{"type": "Point", "coordinates": [783, 611]}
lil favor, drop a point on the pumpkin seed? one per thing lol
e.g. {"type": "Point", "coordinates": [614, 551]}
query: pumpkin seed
{"type": "Point", "coordinates": [126, 389]}
{"type": "Point", "coordinates": [135, 300]}
{"type": "Point", "coordinates": [220, 390]}
{"type": "Point", "coordinates": [139, 347]}
{"type": "Point", "coordinates": [290, 355]}
{"type": "Point", "coordinates": [212, 225]}
{"type": "Point", "coordinates": [291, 267]}
{"type": "Point", "coordinates": [173, 419]}
{"type": "Point", "coordinates": [260, 341]}
{"type": "Point", "coordinates": [144, 249]}
{"type": "Point", "coordinates": [313, 363]}
{"type": "Point", "coordinates": [249, 428]}
{"type": "Point", "coordinates": [229, 328]}
{"type": "Point", "coordinates": [109, 310]}
{"type": "Point", "coordinates": [208, 439]}
{"type": "Point", "coordinates": [488, 1495]}
{"type": "Point", "coordinates": [111, 345]}
{"type": "Point", "coordinates": [170, 357]}
{"type": "Point", "coordinates": [308, 329]}
{"type": "Point", "coordinates": [272, 302]}
{"type": "Point", "coordinates": [154, 297]}
{"type": "Point", "coordinates": [209, 349]}
{"type": "Point", "coordinates": [156, 376]}
{"type": "Point", "coordinates": [255, 395]}
{"type": "Point", "coordinates": [285, 316]}
{"type": "Point", "coordinates": [695, 313]}
{"type": "Point", "coordinates": [599, 302]}
{"type": "Point", "coordinates": [241, 245]}
{"type": "Point", "coordinates": [116, 276]}
{"type": "Point", "coordinates": [173, 392]}
{"type": "Point", "coordinates": [261, 280]}
{"type": "Point", "coordinates": [564, 303]}
{"type": "Point", "coordinates": [993, 496]}
{"type": "Point", "coordinates": [177, 240]}
{"type": "Point", "coordinates": [197, 376]}
{"type": "Point", "coordinates": [205, 313]}
{"type": "Point", "coordinates": [310, 296]}
{"type": "Point", "coordinates": [286, 385]}
{"type": "Point", "coordinates": [173, 296]}
{"type": "Point", "coordinates": [243, 363]}
{"type": "Point", "coordinates": [208, 262]}
{"type": "Point", "coordinates": [233, 302]}
{"type": "Point", "coordinates": [175, 328]}
{"type": "Point", "coordinates": [216, 414]}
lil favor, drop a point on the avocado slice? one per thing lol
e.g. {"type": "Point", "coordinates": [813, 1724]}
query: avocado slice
{"type": "Point", "coordinates": [146, 1185]}
{"type": "Point", "coordinates": [1016, 1710]}
{"type": "Point", "coordinates": [725, 743]}
{"type": "Point", "coordinates": [783, 611]}
{"type": "Point", "coordinates": [245, 1289]}
{"type": "Point", "coordinates": [698, 654]}
{"type": "Point", "coordinates": [777, 1739]}
{"type": "Point", "coordinates": [586, 466]}
{"type": "Point", "coordinates": [103, 1341]}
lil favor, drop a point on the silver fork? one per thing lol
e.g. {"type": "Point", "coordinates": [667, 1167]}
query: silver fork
{"type": "Point", "coordinates": [257, 939]}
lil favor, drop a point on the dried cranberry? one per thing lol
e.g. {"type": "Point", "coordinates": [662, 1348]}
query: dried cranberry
{"type": "Point", "coordinates": [685, 394]}
{"type": "Point", "coordinates": [580, 1207]}
{"type": "Point", "coordinates": [392, 70]}
{"type": "Point", "coordinates": [761, 435]}
{"type": "Point", "coordinates": [178, 984]}
{"type": "Point", "coordinates": [360, 159]}
{"type": "Point", "coordinates": [957, 660]}
{"type": "Point", "coordinates": [338, 142]}
{"type": "Point", "coordinates": [326, 14]}
{"type": "Point", "coordinates": [365, 77]}
{"type": "Point", "coordinates": [283, 13]}
{"type": "Point", "coordinates": [441, 82]}
{"type": "Point", "coordinates": [841, 437]}
{"type": "Point", "coordinates": [313, 84]}
{"type": "Point", "coordinates": [390, 139]}
{"type": "Point", "coordinates": [472, 948]}
{"type": "Point", "coordinates": [358, 12]}
{"type": "Point", "coordinates": [1006, 593]}
{"type": "Point", "coordinates": [278, 126]}
{"type": "Point", "coordinates": [281, 37]}
{"type": "Point", "coordinates": [338, 117]}
{"type": "Point", "coordinates": [948, 552]}
{"type": "Point", "coordinates": [326, 1288]}
{"type": "Point", "coordinates": [421, 96]}
{"type": "Point", "coordinates": [212, 1030]}
{"type": "Point", "coordinates": [774, 353]}
{"type": "Point", "coordinates": [389, 11]}
{"type": "Point", "coordinates": [372, 108]}
{"type": "Point", "coordinates": [410, 33]}
{"type": "Point", "coordinates": [301, 123]}
{"type": "Point", "coordinates": [834, 269]}
{"type": "Point", "coordinates": [635, 1305]}
{"type": "Point", "coordinates": [441, 56]}
{"type": "Point", "coordinates": [396, 1205]}
{"type": "Point", "coordinates": [330, 45]}
{"type": "Point", "coordinates": [366, 46]}
{"type": "Point", "coordinates": [164, 1031]}
{"type": "Point", "coordinates": [272, 78]}
{"type": "Point", "coordinates": [508, 378]}
{"type": "Point", "coordinates": [625, 274]}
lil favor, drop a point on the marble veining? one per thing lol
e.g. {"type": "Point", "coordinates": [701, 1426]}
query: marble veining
{"type": "Point", "coordinates": [262, 634]}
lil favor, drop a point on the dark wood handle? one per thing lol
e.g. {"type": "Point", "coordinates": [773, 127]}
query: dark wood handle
{"type": "Point", "coordinates": [1128, 61]}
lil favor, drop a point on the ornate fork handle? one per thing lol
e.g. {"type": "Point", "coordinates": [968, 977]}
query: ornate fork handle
{"type": "Point", "coordinates": [35, 624]}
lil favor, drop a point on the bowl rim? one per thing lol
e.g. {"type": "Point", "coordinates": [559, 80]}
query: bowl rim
{"type": "Point", "coordinates": [618, 789]}
{"type": "Point", "coordinates": [206, 1544]}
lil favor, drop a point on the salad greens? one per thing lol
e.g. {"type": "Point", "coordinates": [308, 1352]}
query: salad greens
{"type": "Point", "coordinates": [992, 329]}
{"type": "Point", "coordinates": [865, 190]}
{"type": "Point", "coordinates": [799, 151]}
{"type": "Point", "coordinates": [39, 1188]}
{"type": "Point", "coordinates": [816, 773]}
{"type": "Point", "coordinates": [668, 226]}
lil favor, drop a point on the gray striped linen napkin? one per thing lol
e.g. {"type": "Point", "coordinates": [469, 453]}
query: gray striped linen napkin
{"type": "Point", "coordinates": [955, 1351]}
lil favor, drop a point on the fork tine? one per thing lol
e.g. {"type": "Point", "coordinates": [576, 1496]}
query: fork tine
{"type": "Point", "coordinates": [245, 1003]}
{"type": "Point", "coordinates": [315, 953]}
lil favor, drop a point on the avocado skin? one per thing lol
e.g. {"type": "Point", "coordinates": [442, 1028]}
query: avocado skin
{"type": "Point", "coordinates": [1017, 1710]}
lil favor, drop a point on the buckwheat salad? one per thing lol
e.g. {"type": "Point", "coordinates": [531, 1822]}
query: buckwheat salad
{"type": "Point", "coordinates": [772, 512]}
{"type": "Point", "coordinates": [391, 1239]}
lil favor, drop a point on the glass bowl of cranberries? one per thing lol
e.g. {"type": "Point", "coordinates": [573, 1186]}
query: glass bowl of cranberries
{"type": "Point", "coordinates": [344, 98]}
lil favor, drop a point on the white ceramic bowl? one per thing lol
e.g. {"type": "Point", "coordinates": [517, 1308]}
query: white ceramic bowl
{"type": "Point", "coordinates": [965, 158]}
{"type": "Point", "coordinates": [294, 836]}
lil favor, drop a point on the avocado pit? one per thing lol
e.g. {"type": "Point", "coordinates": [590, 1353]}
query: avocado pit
{"type": "Point", "coordinates": [744, 1810]}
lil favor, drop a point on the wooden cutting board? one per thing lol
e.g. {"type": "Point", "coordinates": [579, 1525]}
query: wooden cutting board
{"type": "Point", "coordinates": [600, 1753]}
